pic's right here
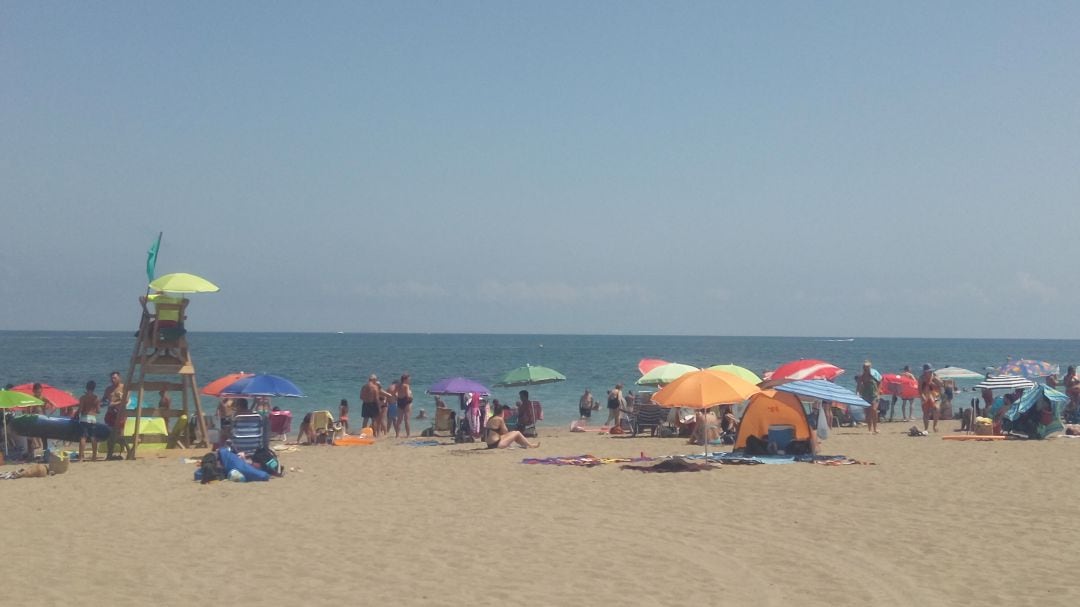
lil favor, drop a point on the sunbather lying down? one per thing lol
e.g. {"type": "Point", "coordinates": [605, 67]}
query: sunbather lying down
{"type": "Point", "coordinates": [498, 436]}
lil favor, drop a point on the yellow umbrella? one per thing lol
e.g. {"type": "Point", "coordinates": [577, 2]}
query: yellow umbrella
{"type": "Point", "coordinates": [181, 282]}
{"type": "Point", "coordinates": [704, 389]}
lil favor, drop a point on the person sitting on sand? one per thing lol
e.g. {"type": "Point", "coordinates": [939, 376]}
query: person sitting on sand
{"type": "Point", "coordinates": [706, 428]}
{"type": "Point", "coordinates": [729, 424]}
{"type": "Point", "coordinates": [498, 436]}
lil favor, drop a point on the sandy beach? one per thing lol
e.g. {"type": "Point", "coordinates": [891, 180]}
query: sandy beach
{"type": "Point", "coordinates": [932, 522]}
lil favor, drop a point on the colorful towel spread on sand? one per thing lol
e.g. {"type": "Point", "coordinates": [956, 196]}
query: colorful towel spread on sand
{"type": "Point", "coordinates": [587, 461]}
{"type": "Point", "coordinates": [422, 443]}
{"type": "Point", "coordinates": [727, 458]}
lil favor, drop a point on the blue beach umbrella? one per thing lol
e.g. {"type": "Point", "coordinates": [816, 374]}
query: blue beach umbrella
{"type": "Point", "coordinates": [823, 390]}
{"type": "Point", "coordinates": [263, 385]}
{"type": "Point", "coordinates": [1031, 369]}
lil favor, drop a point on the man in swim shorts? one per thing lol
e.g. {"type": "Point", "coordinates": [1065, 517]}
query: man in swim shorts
{"type": "Point", "coordinates": [370, 394]}
{"type": "Point", "coordinates": [929, 391]}
{"type": "Point", "coordinates": [89, 406]}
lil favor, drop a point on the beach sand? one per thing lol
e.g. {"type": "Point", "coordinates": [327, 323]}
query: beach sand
{"type": "Point", "coordinates": [932, 523]}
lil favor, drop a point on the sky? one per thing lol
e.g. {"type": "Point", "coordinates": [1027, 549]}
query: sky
{"type": "Point", "coordinates": [706, 168]}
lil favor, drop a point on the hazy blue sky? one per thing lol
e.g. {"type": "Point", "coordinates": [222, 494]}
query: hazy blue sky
{"type": "Point", "coordinates": [804, 168]}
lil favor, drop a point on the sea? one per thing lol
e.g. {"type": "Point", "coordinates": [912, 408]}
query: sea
{"type": "Point", "coordinates": [330, 367]}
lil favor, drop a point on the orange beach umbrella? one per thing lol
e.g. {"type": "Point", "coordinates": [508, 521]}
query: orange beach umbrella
{"type": "Point", "coordinates": [215, 387]}
{"type": "Point", "coordinates": [704, 389]}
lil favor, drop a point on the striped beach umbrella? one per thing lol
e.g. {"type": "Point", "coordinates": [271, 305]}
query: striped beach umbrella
{"type": "Point", "coordinates": [823, 390]}
{"type": "Point", "coordinates": [1005, 382]}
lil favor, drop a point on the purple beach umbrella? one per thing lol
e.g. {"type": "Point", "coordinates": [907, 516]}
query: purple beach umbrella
{"type": "Point", "coordinates": [458, 385]}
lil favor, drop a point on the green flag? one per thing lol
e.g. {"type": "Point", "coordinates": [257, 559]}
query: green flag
{"type": "Point", "coordinates": [151, 259]}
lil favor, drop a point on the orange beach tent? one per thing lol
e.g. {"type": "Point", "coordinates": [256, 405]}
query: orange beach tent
{"type": "Point", "coordinates": [773, 408]}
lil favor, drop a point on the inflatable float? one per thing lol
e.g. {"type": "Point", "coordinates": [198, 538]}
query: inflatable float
{"type": "Point", "coordinates": [54, 428]}
{"type": "Point", "coordinates": [232, 461]}
{"type": "Point", "coordinates": [356, 440]}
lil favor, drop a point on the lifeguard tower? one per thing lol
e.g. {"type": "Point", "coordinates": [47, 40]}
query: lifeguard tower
{"type": "Point", "coordinates": [160, 361]}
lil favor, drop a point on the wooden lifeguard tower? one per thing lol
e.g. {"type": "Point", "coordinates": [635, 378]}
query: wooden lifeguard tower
{"type": "Point", "coordinates": [161, 361]}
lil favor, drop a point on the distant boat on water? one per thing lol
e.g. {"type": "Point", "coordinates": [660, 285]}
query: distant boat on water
{"type": "Point", "coordinates": [848, 339]}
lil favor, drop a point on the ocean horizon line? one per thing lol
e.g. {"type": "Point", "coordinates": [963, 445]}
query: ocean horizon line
{"type": "Point", "coordinates": [826, 338]}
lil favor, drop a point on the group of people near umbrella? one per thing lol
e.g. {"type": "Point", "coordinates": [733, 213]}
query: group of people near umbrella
{"type": "Point", "coordinates": [1019, 400]}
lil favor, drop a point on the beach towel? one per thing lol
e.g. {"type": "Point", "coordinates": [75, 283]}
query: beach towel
{"type": "Point", "coordinates": [674, 464]}
{"type": "Point", "coordinates": [586, 461]}
{"type": "Point", "coordinates": [422, 443]}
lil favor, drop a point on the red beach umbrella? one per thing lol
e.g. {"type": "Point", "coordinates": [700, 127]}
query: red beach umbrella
{"type": "Point", "coordinates": [59, 398]}
{"type": "Point", "coordinates": [901, 385]}
{"type": "Point", "coordinates": [805, 369]}
{"type": "Point", "coordinates": [215, 387]}
{"type": "Point", "coordinates": [648, 364]}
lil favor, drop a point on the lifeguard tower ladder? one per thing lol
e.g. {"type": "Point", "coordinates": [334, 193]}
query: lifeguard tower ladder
{"type": "Point", "coordinates": [163, 351]}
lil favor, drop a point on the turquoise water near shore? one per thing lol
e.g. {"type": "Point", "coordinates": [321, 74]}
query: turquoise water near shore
{"type": "Point", "coordinates": [329, 367]}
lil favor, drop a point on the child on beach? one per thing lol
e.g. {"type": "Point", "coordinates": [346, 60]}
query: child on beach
{"type": "Point", "coordinates": [343, 415]}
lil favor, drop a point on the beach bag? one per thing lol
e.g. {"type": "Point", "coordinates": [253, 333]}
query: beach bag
{"type": "Point", "coordinates": [211, 469]}
{"type": "Point", "coordinates": [267, 460]}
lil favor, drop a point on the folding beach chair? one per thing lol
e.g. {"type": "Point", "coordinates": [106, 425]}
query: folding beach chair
{"type": "Point", "coordinates": [249, 432]}
{"type": "Point", "coordinates": [280, 425]}
{"type": "Point", "coordinates": [647, 417]}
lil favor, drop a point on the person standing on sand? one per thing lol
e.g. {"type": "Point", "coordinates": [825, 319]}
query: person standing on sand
{"type": "Point", "coordinates": [929, 390]}
{"type": "Point", "coordinates": [615, 404]}
{"type": "Point", "coordinates": [404, 405]}
{"type": "Point", "coordinates": [907, 405]}
{"type": "Point", "coordinates": [370, 394]}
{"type": "Point", "coordinates": [869, 388]}
{"type": "Point", "coordinates": [45, 409]}
{"type": "Point", "coordinates": [343, 415]}
{"type": "Point", "coordinates": [115, 416]}
{"type": "Point", "coordinates": [388, 408]}
{"type": "Point", "coordinates": [89, 406]}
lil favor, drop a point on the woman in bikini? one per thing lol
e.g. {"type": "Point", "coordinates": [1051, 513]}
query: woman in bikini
{"type": "Point", "coordinates": [498, 436]}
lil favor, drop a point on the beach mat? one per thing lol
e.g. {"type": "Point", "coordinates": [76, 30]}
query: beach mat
{"type": "Point", "coordinates": [584, 461]}
{"type": "Point", "coordinates": [977, 437]}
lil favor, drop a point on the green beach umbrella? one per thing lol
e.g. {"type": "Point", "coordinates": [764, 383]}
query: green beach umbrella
{"type": "Point", "coordinates": [181, 282]}
{"type": "Point", "coordinates": [530, 376]}
{"type": "Point", "coordinates": [738, 371]}
{"type": "Point", "coordinates": [10, 399]}
{"type": "Point", "coordinates": [665, 374]}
